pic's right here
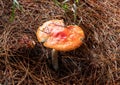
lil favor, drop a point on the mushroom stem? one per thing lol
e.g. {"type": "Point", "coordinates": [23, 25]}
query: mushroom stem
{"type": "Point", "coordinates": [54, 59]}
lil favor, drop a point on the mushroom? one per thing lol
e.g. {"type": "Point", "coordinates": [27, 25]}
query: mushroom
{"type": "Point", "coordinates": [26, 41]}
{"type": "Point", "coordinates": [55, 35]}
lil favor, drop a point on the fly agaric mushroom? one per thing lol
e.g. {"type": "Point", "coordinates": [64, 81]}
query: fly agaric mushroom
{"type": "Point", "coordinates": [60, 38]}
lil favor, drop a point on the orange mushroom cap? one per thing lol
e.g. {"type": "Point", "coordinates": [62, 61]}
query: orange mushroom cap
{"type": "Point", "coordinates": [63, 38]}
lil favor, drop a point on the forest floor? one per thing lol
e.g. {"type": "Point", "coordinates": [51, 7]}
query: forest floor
{"type": "Point", "coordinates": [96, 62]}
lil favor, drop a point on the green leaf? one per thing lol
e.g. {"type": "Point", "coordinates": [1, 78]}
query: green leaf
{"type": "Point", "coordinates": [77, 1]}
{"type": "Point", "coordinates": [65, 7]}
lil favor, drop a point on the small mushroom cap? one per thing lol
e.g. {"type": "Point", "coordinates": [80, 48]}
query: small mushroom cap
{"type": "Point", "coordinates": [68, 39]}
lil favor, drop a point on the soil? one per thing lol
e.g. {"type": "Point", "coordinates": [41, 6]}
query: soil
{"type": "Point", "coordinates": [96, 62]}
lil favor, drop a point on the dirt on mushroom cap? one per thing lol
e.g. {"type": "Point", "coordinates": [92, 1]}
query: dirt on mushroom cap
{"type": "Point", "coordinates": [48, 28]}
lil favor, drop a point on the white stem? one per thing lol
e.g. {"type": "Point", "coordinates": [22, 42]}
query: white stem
{"type": "Point", "coordinates": [54, 59]}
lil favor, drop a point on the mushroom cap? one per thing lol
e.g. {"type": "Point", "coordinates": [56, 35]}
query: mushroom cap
{"type": "Point", "coordinates": [55, 35]}
{"type": "Point", "coordinates": [69, 39]}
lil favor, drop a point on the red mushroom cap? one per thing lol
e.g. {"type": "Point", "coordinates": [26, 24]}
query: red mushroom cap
{"type": "Point", "coordinates": [63, 38]}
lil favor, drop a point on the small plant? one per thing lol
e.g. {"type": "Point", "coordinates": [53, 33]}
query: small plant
{"type": "Point", "coordinates": [74, 10]}
{"type": "Point", "coordinates": [63, 5]}
{"type": "Point", "coordinates": [15, 6]}
{"type": "Point", "coordinates": [69, 7]}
